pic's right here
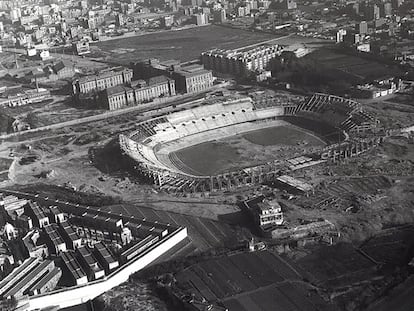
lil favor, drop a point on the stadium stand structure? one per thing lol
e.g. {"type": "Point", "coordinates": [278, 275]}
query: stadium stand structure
{"type": "Point", "coordinates": [146, 145]}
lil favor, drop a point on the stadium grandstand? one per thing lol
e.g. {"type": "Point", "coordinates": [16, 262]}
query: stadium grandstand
{"type": "Point", "coordinates": [343, 113]}
{"type": "Point", "coordinates": [152, 142]}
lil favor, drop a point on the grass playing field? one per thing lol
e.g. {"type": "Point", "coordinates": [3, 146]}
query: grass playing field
{"type": "Point", "coordinates": [358, 66]}
{"type": "Point", "coordinates": [252, 148]}
{"type": "Point", "coordinates": [184, 45]}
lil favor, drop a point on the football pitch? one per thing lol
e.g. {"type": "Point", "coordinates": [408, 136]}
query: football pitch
{"type": "Point", "coordinates": [183, 45]}
{"type": "Point", "coordinates": [252, 148]}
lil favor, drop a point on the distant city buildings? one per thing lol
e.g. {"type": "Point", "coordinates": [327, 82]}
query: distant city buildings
{"type": "Point", "coordinates": [219, 16]}
{"type": "Point", "coordinates": [285, 4]}
{"type": "Point", "coordinates": [362, 28]}
{"type": "Point", "coordinates": [341, 33]}
{"type": "Point", "coordinates": [201, 19]}
{"type": "Point", "coordinates": [81, 47]}
{"type": "Point", "coordinates": [167, 21]}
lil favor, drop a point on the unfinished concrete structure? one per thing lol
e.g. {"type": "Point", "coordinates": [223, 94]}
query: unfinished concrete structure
{"type": "Point", "coordinates": [150, 145]}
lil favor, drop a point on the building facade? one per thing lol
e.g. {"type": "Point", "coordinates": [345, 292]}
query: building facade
{"type": "Point", "coordinates": [240, 62]}
{"type": "Point", "coordinates": [142, 91]}
{"type": "Point", "coordinates": [188, 78]}
{"type": "Point", "coordinates": [105, 79]}
{"type": "Point", "coordinates": [193, 78]}
{"type": "Point", "coordinates": [268, 213]}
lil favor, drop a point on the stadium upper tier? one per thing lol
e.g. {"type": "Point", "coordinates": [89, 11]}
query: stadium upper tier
{"type": "Point", "coordinates": [340, 112]}
{"type": "Point", "coordinates": [200, 119]}
{"type": "Point", "coordinates": [145, 144]}
{"type": "Point", "coordinates": [150, 136]}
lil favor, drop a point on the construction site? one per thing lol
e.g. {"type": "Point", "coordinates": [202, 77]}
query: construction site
{"type": "Point", "coordinates": [341, 175]}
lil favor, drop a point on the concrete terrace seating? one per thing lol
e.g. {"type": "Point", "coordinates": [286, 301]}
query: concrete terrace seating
{"type": "Point", "coordinates": [146, 143]}
{"type": "Point", "coordinates": [337, 111]}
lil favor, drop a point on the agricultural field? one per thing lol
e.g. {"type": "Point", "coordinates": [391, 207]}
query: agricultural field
{"type": "Point", "coordinates": [392, 246]}
{"type": "Point", "coordinates": [250, 281]}
{"type": "Point", "coordinates": [353, 186]}
{"type": "Point", "coordinates": [336, 266]}
{"type": "Point", "coordinates": [400, 299]}
{"type": "Point", "coordinates": [184, 45]}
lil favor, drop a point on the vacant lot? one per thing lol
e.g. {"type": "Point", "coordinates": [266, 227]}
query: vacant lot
{"type": "Point", "coordinates": [184, 45]}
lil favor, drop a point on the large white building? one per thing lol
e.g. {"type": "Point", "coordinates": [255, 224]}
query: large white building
{"type": "Point", "coordinates": [269, 213]}
{"type": "Point", "coordinates": [240, 62]}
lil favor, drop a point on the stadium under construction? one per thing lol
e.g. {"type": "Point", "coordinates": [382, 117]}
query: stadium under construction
{"type": "Point", "coordinates": [153, 143]}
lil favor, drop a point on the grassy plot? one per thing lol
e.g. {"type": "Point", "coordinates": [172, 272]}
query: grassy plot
{"type": "Point", "coordinates": [184, 45]}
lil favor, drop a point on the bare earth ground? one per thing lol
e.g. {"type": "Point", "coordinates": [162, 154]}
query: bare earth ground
{"type": "Point", "coordinates": [392, 111]}
{"type": "Point", "coordinates": [65, 156]}
{"type": "Point", "coordinates": [59, 160]}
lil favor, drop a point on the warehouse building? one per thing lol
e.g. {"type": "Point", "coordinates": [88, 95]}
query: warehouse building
{"type": "Point", "coordinates": [33, 275]}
